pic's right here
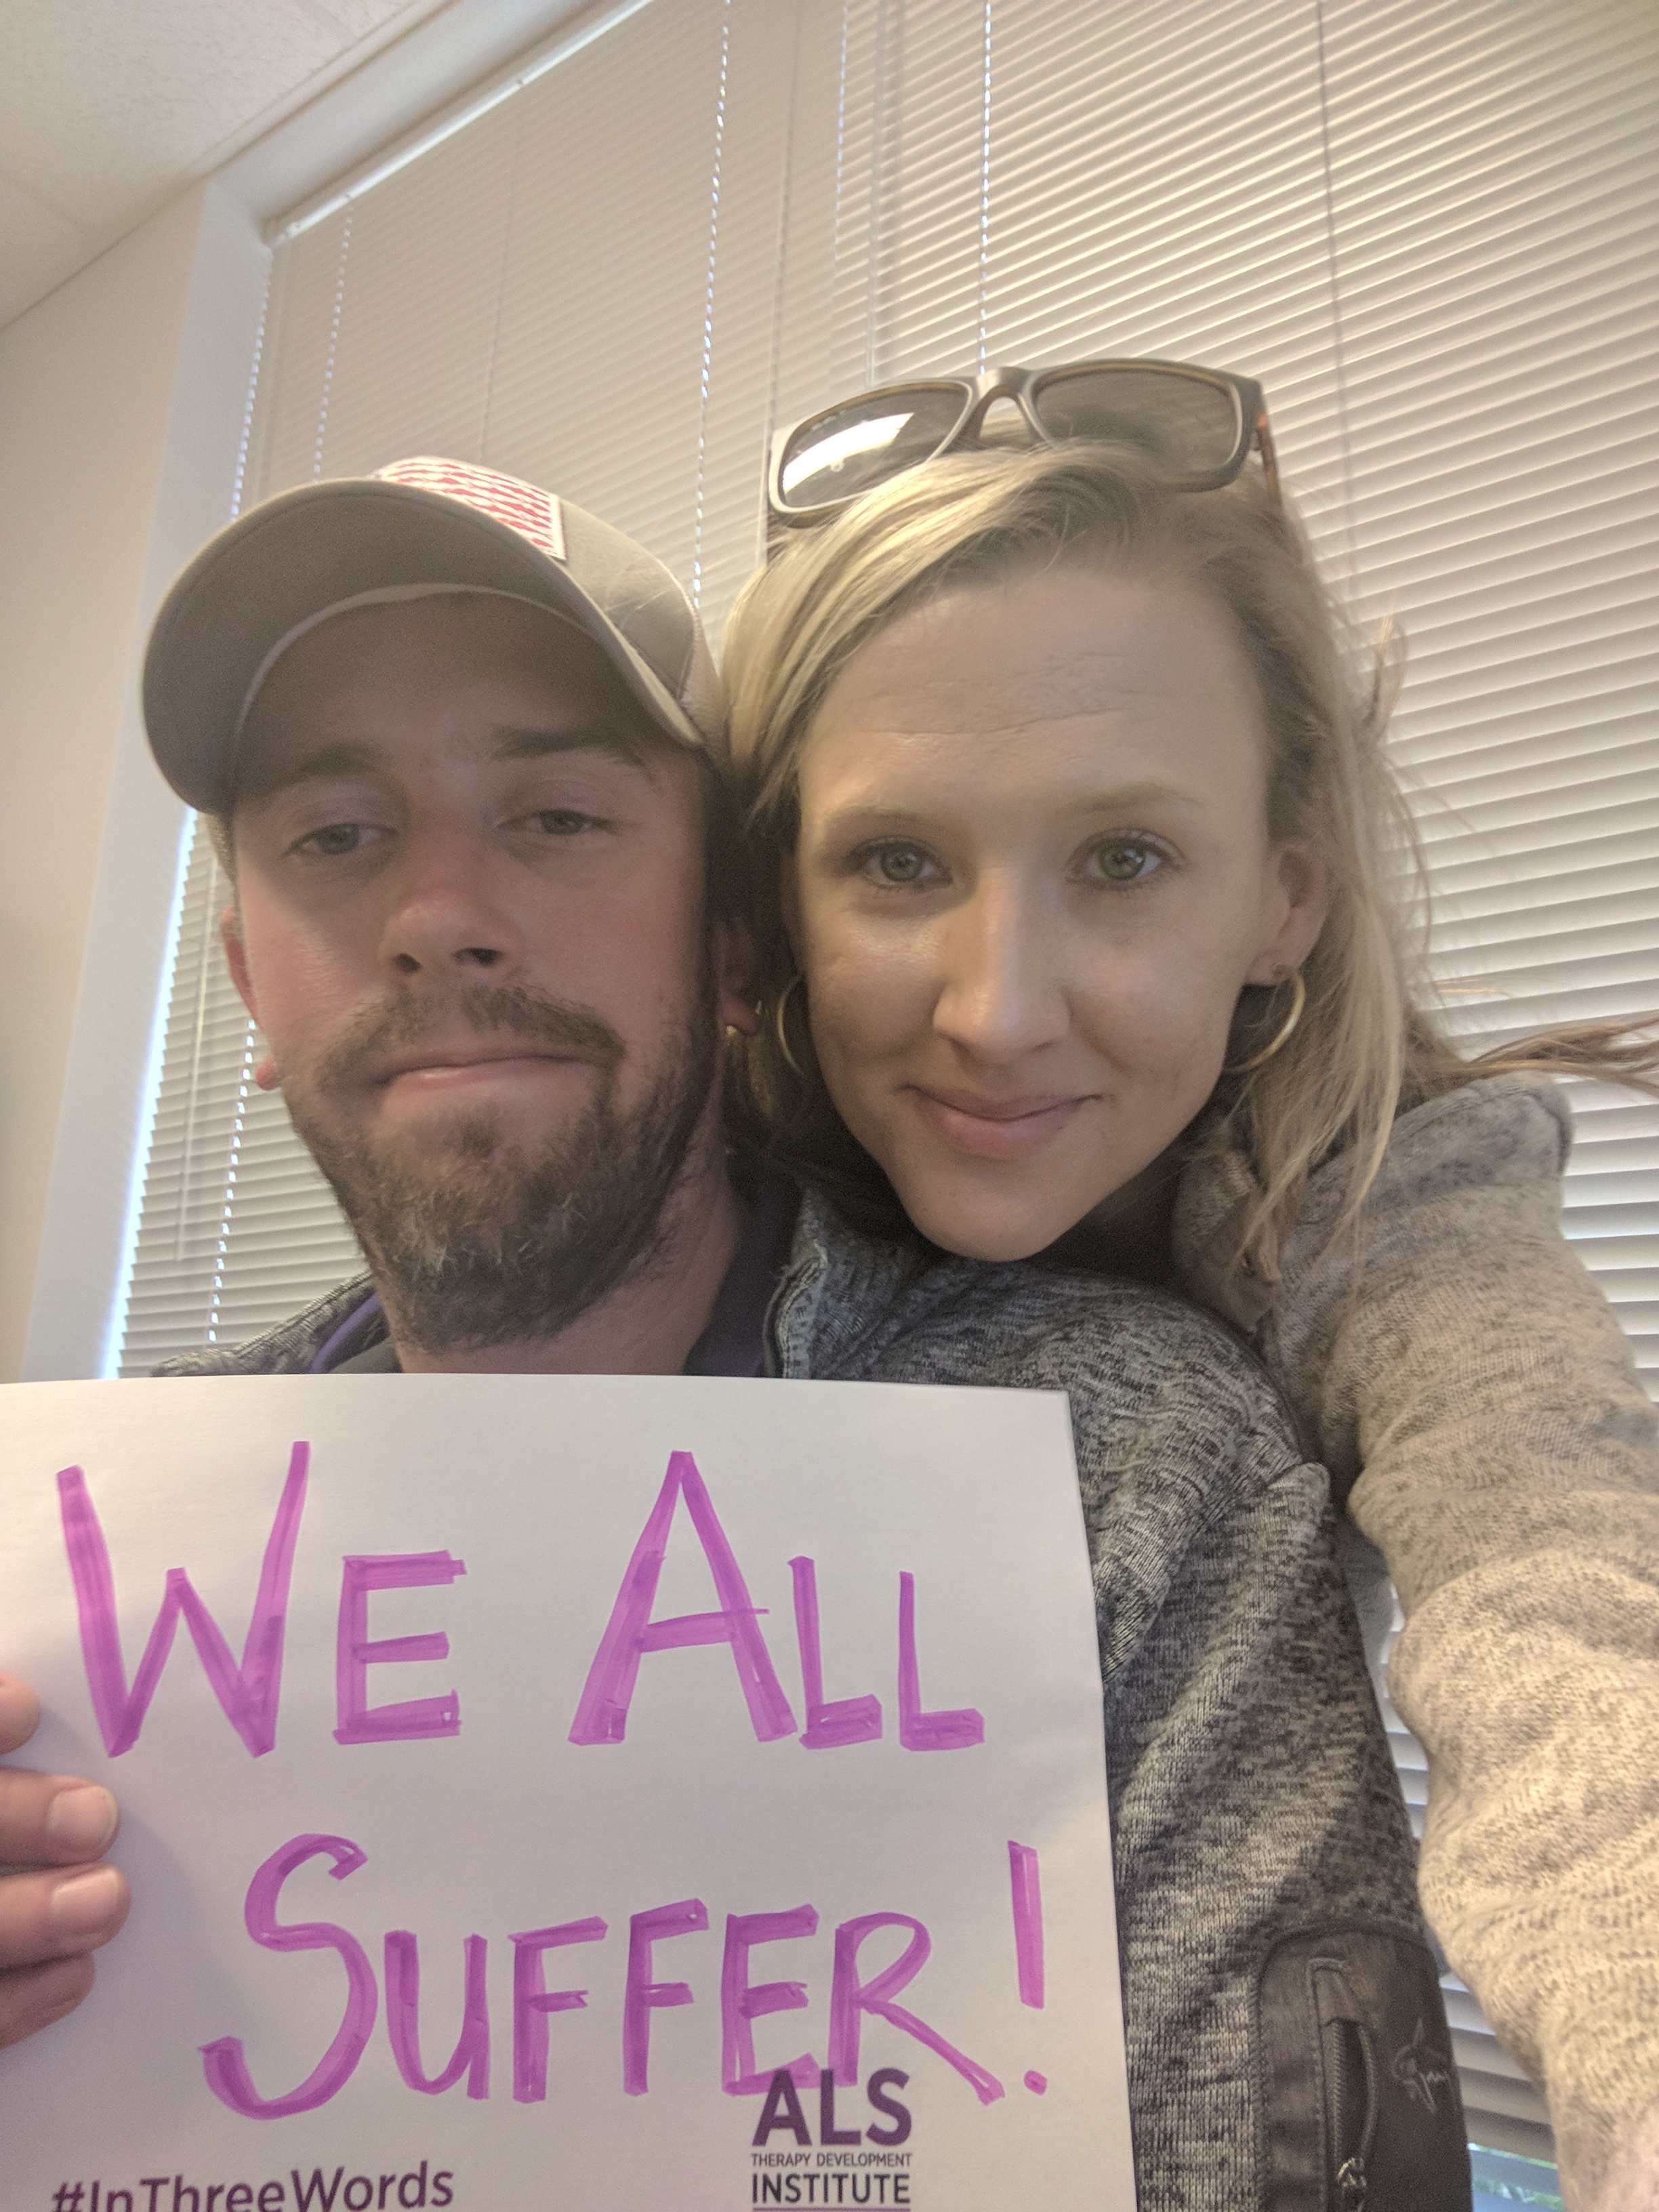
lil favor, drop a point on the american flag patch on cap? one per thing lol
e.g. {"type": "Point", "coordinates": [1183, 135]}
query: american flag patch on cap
{"type": "Point", "coordinates": [534, 513]}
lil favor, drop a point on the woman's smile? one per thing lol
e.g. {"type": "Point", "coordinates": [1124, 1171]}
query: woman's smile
{"type": "Point", "coordinates": [992, 1128]}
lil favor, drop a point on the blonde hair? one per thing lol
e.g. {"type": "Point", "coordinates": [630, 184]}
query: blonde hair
{"type": "Point", "coordinates": [1367, 1046]}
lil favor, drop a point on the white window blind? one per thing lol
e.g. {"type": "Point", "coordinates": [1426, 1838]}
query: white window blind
{"type": "Point", "coordinates": [1426, 226]}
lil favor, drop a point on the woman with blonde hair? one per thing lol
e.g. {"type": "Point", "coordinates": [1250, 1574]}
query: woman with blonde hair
{"type": "Point", "coordinates": [1091, 922]}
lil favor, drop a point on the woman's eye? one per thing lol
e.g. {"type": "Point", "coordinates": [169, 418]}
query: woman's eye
{"type": "Point", "coordinates": [897, 866]}
{"type": "Point", "coordinates": [1124, 860]}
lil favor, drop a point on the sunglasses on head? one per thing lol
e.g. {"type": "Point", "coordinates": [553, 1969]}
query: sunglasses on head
{"type": "Point", "coordinates": [1199, 424]}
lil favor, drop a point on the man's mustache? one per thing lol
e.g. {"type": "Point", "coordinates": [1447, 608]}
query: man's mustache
{"type": "Point", "coordinates": [482, 1009]}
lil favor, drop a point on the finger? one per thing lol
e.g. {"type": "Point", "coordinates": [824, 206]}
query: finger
{"type": "Point", "coordinates": [19, 1713]}
{"type": "Point", "coordinates": [34, 1996]}
{"type": "Point", "coordinates": [59, 1916]}
{"type": "Point", "coordinates": [53, 1820]}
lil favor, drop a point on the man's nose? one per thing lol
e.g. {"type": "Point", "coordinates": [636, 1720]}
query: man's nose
{"type": "Point", "coordinates": [449, 906]}
{"type": "Point", "coordinates": [1002, 990]}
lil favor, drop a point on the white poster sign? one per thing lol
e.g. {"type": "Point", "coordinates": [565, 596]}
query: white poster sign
{"type": "Point", "coordinates": [559, 1792]}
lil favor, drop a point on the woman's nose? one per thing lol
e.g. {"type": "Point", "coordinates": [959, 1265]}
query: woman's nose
{"type": "Point", "coordinates": [1001, 991]}
{"type": "Point", "coordinates": [449, 910]}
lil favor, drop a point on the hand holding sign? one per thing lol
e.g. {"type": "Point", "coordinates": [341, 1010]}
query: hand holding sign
{"type": "Point", "coordinates": [50, 1921]}
{"type": "Point", "coordinates": [501, 1755]}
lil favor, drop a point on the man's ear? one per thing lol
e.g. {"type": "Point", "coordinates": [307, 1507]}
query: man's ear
{"type": "Point", "coordinates": [230, 936]}
{"type": "Point", "coordinates": [1301, 902]}
{"type": "Point", "coordinates": [737, 975]}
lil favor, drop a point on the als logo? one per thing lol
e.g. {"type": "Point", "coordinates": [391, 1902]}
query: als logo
{"type": "Point", "coordinates": [782, 2110]}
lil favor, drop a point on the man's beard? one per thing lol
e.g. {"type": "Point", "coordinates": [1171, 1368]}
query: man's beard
{"type": "Point", "coordinates": [487, 1243]}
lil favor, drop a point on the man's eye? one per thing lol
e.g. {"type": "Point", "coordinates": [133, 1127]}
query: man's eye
{"type": "Point", "coordinates": [897, 866]}
{"type": "Point", "coordinates": [337, 839]}
{"type": "Point", "coordinates": [561, 821]}
{"type": "Point", "coordinates": [1123, 861]}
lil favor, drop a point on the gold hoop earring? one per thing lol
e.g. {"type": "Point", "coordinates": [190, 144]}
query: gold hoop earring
{"type": "Point", "coordinates": [778, 1014]}
{"type": "Point", "coordinates": [1300, 999]}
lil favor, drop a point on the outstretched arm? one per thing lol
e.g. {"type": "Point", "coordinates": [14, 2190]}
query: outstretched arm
{"type": "Point", "coordinates": [58, 1903]}
{"type": "Point", "coordinates": [1471, 1377]}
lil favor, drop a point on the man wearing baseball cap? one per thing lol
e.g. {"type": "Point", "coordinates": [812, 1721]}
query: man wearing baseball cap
{"type": "Point", "coordinates": [472, 741]}
{"type": "Point", "coordinates": [460, 745]}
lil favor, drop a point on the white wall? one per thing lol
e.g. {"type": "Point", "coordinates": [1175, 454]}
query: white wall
{"type": "Point", "coordinates": [120, 412]}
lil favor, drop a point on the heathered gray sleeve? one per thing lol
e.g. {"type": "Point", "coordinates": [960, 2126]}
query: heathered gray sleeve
{"type": "Point", "coordinates": [1476, 1383]}
{"type": "Point", "coordinates": [1251, 1786]}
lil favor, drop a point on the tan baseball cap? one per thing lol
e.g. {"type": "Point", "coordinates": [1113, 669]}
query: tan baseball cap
{"type": "Point", "coordinates": [424, 524]}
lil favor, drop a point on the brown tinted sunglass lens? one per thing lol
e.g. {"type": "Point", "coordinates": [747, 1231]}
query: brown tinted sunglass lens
{"type": "Point", "coordinates": [839, 455]}
{"type": "Point", "coordinates": [1188, 425]}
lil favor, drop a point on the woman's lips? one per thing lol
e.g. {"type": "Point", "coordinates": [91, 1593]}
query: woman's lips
{"type": "Point", "coordinates": [995, 1128]}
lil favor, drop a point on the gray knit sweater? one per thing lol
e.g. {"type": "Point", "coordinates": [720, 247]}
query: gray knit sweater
{"type": "Point", "coordinates": [1470, 1382]}
{"type": "Point", "coordinates": [1266, 1889]}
